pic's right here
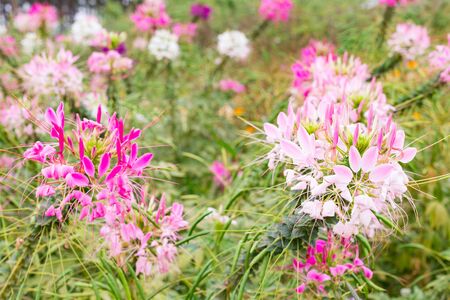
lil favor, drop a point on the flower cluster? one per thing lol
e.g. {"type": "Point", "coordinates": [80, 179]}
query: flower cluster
{"type": "Point", "coordinates": [276, 10]}
{"type": "Point", "coordinates": [226, 85]}
{"type": "Point", "coordinates": [13, 117]}
{"type": "Point", "coordinates": [341, 148]}
{"type": "Point", "coordinates": [164, 45]}
{"type": "Point", "coordinates": [233, 44]}
{"type": "Point", "coordinates": [150, 15]}
{"type": "Point", "coordinates": [8, 46]}
{"type": "Point", "coordinates": [326, 265]}
{"type": "Point", "coordinates": [97, 174]}
{"type": "Point", "coordinates": [201, 11]}
{"type": "Point", "coordinates": [110, 62]}
{"type": "Point", "coordinates": [394, 3]}
{"type": "Point", "coordinates": [45, 75]}
{"type": "Point", "coordinates": [186, 31]}
{"type": "Point", "coordinates": [39, 16]}
{"type": "Point", "coordinates": [440, 60]}
{"type": "Point", "coordinates": [84, 28]}
{"type": "Point", "coordinates": [409, 40]}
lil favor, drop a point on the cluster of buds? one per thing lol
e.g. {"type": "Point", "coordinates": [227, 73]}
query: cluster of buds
{"type": "Point", "coordinates": [326, 265]}
{"type": "Point", "coordinates": [97, 174]}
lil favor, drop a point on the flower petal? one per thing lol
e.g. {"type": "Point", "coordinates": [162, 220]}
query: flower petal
{"type": "Point", "coordinates": [381, 172]}
{"type": "Point", "coordinates": [369, 159]}
{"type": "Point", "coordinates": [354, 159]}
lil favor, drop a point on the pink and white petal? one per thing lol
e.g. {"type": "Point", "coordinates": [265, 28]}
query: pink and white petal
{"type": "Point", "coordinates": [408, 154]}
{"type": "Point", "coordinates": [381, 172]}
{"type": "Point", "coordinates": [292, 150]}
{"type": "Point", "coordinates": [369, 159]}
{"type": "Point", "coordinates": [343, 173]}
{"type": "Point", "coordinates": [354, 159]}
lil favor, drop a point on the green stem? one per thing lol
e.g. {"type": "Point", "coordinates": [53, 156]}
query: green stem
{"type": "Point", "coordinates": [425, 90]}
{"type": "Point", "coordinates": [260, 29]}
{"type": "Point", "coordinates": [390, 63]}
{"type": "Point", "coordinates": [111, 93]}
{"type": "Point", "coordinates": [387, 18]}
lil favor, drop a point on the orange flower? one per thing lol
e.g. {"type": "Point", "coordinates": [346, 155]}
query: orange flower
{"type": "Point", "coordinates": [239, 111]}
{"type": "Point", "coordinates": [411, 64]}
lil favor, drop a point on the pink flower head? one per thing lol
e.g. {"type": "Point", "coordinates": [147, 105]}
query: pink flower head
{"type": "Point", "coordinates": [393, 3]}
{"type": "Point", "coordinates": [150, 15]}
{"type": "Point", "coordinates": [276, 10]}
{"type": "Point", "coordinates": [45, 75]}
{"type": "Point", "coordinates": [39, 15]}
{"type": "Point", "coordinates": [222, 176]}
{"type": "Point", "coordinates": [440, 60]}
{"type": "Point", "coordinates": [227, 85]}
{"type": "Point", "coordinates": [186, 31]}
{"type": "Point", "coordinates": [201, 11]}
{"type": "Point", "coordinates": [109, 63]}
{"type": "Point", "coordinates": [8, 46]}
{"type": "Point", "coordinates": [409, 40]}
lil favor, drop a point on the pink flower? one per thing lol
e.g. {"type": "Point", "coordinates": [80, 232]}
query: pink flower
{"type": "Point", "coordinates": [202, 11]}
{"type": "Point", "coordinates": [8, 46]}
{"type": "Point", "coordinates": [109, 63]}
{"type": "Point", "coordinates": [44, 191]}
{"type": "Point", "coordinates": [393, 3]}
{"type": "Point", "coordinates": [186, 31]}
{"type": "Point", "coordinates": [440, 60]}
{"type": "Point", "coordinates": [222, 176]}
{"type": "Point", "coordinates": [226, 85]}
{"type": "Point", "coordinates": [313, 275]}
{"type": "Point", "coordinates": [39, 15]}
{"type": "Point", "coordinates": [409, 40]}
{"type": "Point", "coordinates": [276, 10]}
{"type": "Point", "coordinates": [150, 15]}
{"type": "Point", "coordinates": [39, 152]}
{"type": "Point", "coordinates": [45, 75]}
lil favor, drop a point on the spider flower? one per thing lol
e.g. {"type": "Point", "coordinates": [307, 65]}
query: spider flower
{"type": "Point", "coordinates": [439, 60]}
{"type": "Point", "coordinates": [326, 266]}
{"type": "Point", "coordinates": [85, 28]}
{"type": "Point", "coordinates": [201, 11]}
{"type": "Point", "coordinates": [110, 63]}
{"type": "Point", "coordinates": [150, 15]}
{"type": "Point", "coordinates": [164, 45]}
{"type": "Point", "coordinates": [95, 172]}
{"type": "Point", "coordinates": [409, 40]}
{"type": "Point", "coordinates": [185, 31]}
{"type": "Point", "coordinates": [222, 176]}
{"type": "Point", "coordinates": [233, 44]}
{"type": "Point", "coordinates": [8, 46]}
{"type": "Point", "coordinates": [45, 75]}
{"type": "Point", "coordinates": [107, 41]}
{"type": "Point", "coordinates": [39, 16]}
{"type": "Point", "coordinates": [345, 169]}
{"type": "Point", "coordinates": [227, 85]}
{"type": "Point", "coordinates": [276, 10]}
{"type": "Point", "coordinates": [394, 3]}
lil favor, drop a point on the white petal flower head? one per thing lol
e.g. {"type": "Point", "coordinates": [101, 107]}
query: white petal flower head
{"type": "Point", "coordinates": [164, 44]}
{"type": "Point", "coordinates": [85, 28]}
{"type": "Point", "coordinates": [30, 43]}
{"type": "Point", "coordinates": [234, 44]}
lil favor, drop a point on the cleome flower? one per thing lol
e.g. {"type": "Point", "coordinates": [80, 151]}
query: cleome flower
{"type": "Point", "coordinates": [96, 173]}
{"type": "Point", "coordinates": [327, 264]}
{"type": "Point", "coordinates": [150, 15]}
{"type": "Point", "coordinates": [39, 16]}
{"type": "Point", "coordinates": [439, 60]}
{"type": "Point", "coordinates": [409, 40]}
{"type": "Point", "coordinates": [45, 75]}
{"type": "Point", "coordinates": [233, 44]}
{"type": "Point", "coordinates": [276, 10]}
{"type": "Point", "coordinates": [164, 45]}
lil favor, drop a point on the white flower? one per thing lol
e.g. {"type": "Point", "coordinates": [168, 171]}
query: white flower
{"type": "Point", "coordinates": [164, 44]}
{"type": "Point", "coordinates": [30, 43]}
{"type": "Point", "coordinates": [233, 44]}
{"type": "Point", "coordinates": [84, 28]}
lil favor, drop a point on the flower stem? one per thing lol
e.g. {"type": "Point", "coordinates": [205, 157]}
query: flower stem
{"type": "Point", "coordinates": [425, 90]}
{"type": "Point", "coordinates": [387, 18]}
{"type": "Point", "coordinates": [390, 63]}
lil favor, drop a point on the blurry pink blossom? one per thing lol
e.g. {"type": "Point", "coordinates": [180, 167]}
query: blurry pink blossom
{"type": "Point", "coordinates": [150, 15]}
{"type": "Point", "coordinates": [276, 10]}
{"type": "Point", "coordinates": [409, 40]}
{"type": "Point", "coordinates": [227, 85]}
{"type": "Point", "coordinates": [186, 31]}
{"type": "Point", "coordinates": [222, 176]}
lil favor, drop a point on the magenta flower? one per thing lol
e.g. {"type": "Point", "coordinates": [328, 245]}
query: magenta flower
{"type": "Point", "coordinates": [150, 15]}
{"type": "Point", "coordinates": [226, 85]}
{"type": "Point", "coordinates": [201, 11]}
{"type": "Point", "coordinates": [276, 10]}
{"type": "Point", "coordinates": [96, 173]}
{"type": "Point", "coordinates": [393, 3]}
{"type": "Point", "coordinates": [222, 176]}
{"type": "Point", "coordinates": [327, 264]}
